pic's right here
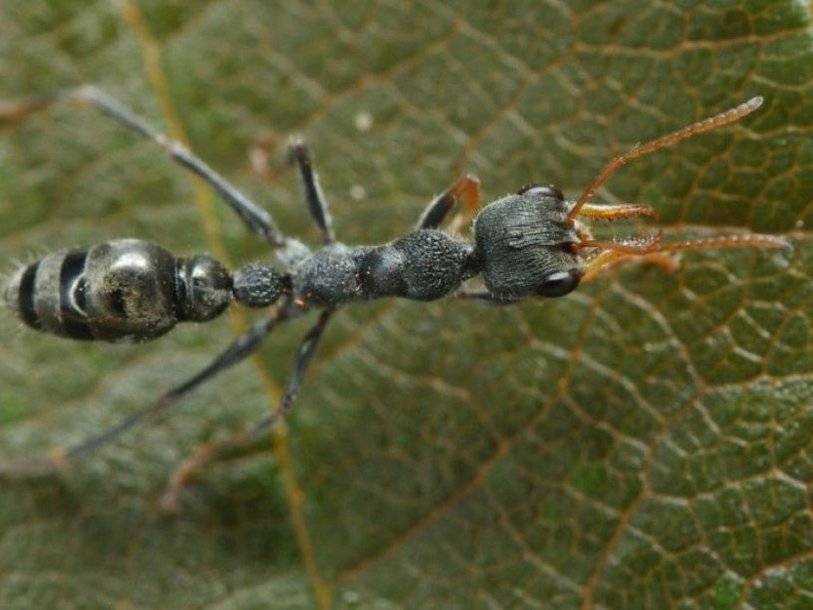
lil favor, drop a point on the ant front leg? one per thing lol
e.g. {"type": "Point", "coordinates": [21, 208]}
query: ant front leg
{"type": "Point", "coordinates": [465, 188]}
{"type": "Point", "coordinates": [314, 196]}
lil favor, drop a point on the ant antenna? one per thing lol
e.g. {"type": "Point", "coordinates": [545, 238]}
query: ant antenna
{"type": "Point", "coordinates": [639, 150]}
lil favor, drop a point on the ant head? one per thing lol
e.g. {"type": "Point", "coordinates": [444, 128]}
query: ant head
{"type": "Point", "coordinates": [525, 244]}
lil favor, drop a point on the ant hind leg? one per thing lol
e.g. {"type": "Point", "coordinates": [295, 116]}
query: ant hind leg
{"type": "Point", "coordinates": [253, 216]}
{"type": "Point", "coordinates": [243, 441]}
{"type": "Point", "coordinates": [240, 348]}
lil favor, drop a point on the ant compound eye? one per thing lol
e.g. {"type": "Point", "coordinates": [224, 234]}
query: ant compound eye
{"type": "Point", "coordinates": [559, 283]}
{"type": "Point", "coordinates": [543, 190]}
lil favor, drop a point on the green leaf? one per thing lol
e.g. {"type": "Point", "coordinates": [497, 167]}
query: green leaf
{"type": "Point", "coordinates": [644, 442]}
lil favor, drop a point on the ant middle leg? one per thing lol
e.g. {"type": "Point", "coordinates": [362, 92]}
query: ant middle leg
{"type": "Point", "coordinates": [300, 155]}
{"type": "Point", "coordinates": [465, 188]}
{"type": "Point", "coordinates": [243, 441]}
{"type": "Point", "coordinates": [253, 216]}
{"type": "Point", "coordinates": [236, 352]}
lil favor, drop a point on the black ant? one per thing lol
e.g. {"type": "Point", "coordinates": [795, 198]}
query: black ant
{"type": "Point", "coordinates": [531, 243]}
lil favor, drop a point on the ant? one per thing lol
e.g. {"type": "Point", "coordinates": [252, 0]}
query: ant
{"type": "Point", "coordinates": [531, 243]}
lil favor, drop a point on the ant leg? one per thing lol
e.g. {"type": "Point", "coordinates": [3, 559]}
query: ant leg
{"type": "Point", "coordinates": [314, 196]}
{"type": "Point", "coordinates": [718, 120]}
{"type": "Point", "coordinates": [466, 188]}
{"type": "Point", "coordinates": [218, 449]}
{"type": "Point", "coordinates": [255, 218]}
{"type": "Point", "coordinates": [483, 295]}
{"type": "Point", "coordinates": [303, 357]}
{"type": "Point", "coordinates": [653, 249]}
{"type": "Point", "coordinates": [240, 348]}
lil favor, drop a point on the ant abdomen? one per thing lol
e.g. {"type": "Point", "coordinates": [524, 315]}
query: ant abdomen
{"type": "Point", "coordinates": [124, 289]}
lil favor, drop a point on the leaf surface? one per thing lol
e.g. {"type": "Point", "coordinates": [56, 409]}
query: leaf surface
{"type": "Point", "coordinates": [644, 442]}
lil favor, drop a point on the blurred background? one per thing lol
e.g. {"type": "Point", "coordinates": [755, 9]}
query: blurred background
{"type": "Point", "coordinates": [641, 443]}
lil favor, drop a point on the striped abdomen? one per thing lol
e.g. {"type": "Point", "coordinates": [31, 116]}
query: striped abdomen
{"type": "Point", "coordinates": [120, 289]}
